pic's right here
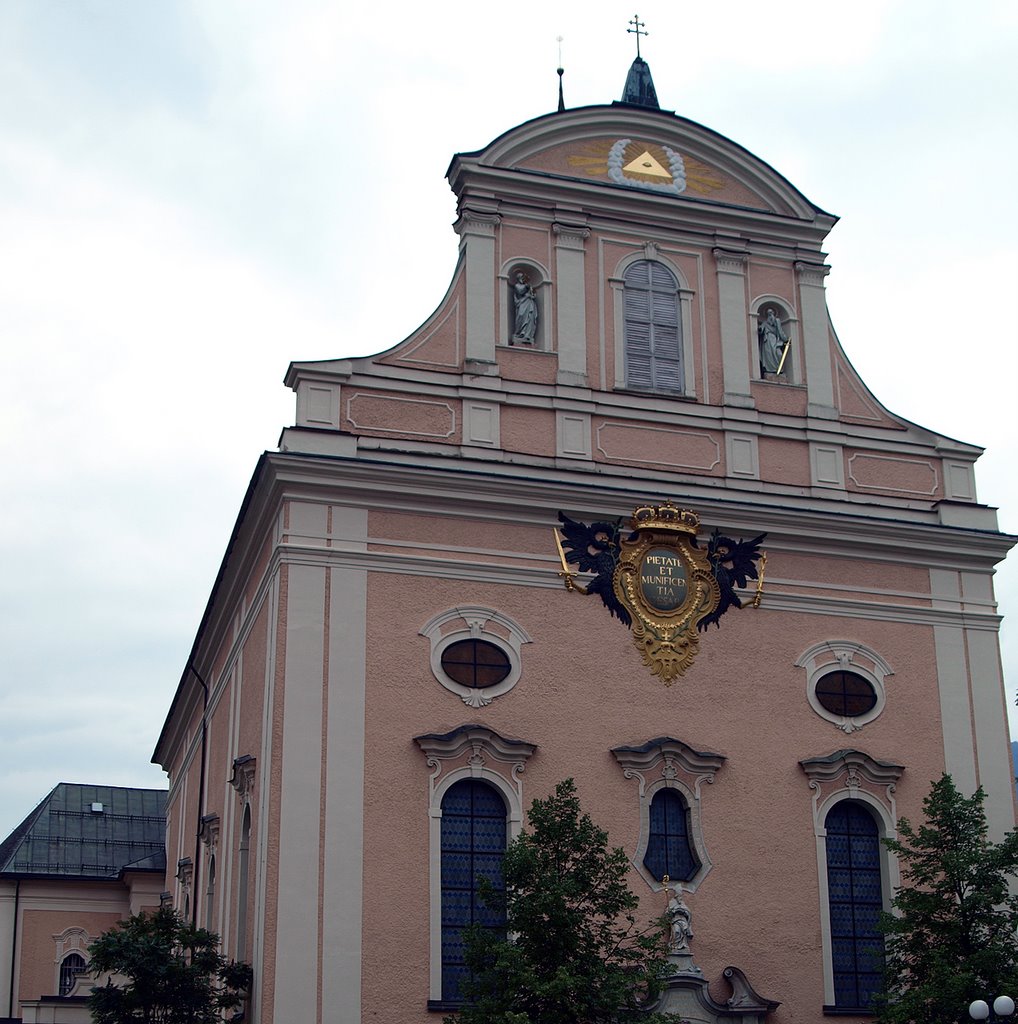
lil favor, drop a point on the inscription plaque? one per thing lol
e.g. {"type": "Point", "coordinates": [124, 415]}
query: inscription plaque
{"type": "Point", "coordinates": [663, 580]}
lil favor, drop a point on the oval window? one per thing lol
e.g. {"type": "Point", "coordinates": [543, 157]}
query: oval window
{"type": "Point", "coordinates": [846, 693]}
{"type": "Point", "coordinates": [475, 663]}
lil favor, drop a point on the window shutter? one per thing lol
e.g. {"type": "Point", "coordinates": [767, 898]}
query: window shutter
{"type": "Point", "coordinates": [653, 342]}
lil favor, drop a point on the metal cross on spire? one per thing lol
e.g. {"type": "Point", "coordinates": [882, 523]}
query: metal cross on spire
{"type": "Point", "coordinates": [638, 31]}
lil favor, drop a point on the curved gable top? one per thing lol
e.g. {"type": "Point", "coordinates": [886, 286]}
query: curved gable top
{"type": "Point", "coordinates": [652, 151]}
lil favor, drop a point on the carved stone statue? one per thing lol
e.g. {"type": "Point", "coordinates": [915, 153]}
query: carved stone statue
{"type": "Point", "coordinates": [682, 924]}
{"type": "Point", "coordinates": [772, 339]}
{"type": "Point", "coordinates": [525, 301]}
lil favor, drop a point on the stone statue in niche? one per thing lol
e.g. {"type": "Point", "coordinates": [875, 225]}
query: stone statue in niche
{"type": "Point", "coordinates": [773, 342]}
{"type": "Point", "coordinates": [525, 305]}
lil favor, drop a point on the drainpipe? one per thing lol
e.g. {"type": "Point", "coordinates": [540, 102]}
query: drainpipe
{"type": "Point", "coordinates": [14, 947]}
{"type": "Point", "coordinates": [201, 796]}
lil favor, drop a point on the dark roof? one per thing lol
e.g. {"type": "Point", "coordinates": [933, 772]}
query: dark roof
{"type": "Point", "coordinates": [639, 88]}
{"type": "Point", "coordinates": [89, 832]}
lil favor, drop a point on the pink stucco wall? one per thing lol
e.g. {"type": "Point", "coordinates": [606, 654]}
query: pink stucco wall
{"type": "Point", "coordinates": [583, 692]}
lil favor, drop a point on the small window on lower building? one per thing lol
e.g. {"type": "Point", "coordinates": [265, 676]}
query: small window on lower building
{"type": "Point", "coordinates": [70, 967]}
{"type": "Point", "coordinates": [669, 850]}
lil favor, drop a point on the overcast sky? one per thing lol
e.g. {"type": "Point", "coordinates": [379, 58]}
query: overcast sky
{"type": "Point", "coordinates": [192, 194]}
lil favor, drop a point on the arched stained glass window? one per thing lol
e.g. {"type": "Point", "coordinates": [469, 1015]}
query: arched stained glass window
{"type": "Point", "coordinates": [70, 967]}
{"type": "Point", "coordinates": [669, 851]}
{"type": "Point", "coordinates": [854, 888]}
{"type": "Point", "coordinates": [652, 328]}
{"type": "Point", "coordinates": [473, 845]}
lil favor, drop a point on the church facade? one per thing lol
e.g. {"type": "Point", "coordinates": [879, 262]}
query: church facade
{"type": "Point", "coordinates": [391, 667]}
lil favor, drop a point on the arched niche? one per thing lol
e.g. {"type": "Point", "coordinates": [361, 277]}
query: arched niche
{"type": "Point", "coordinates": [527, 306]}
{"type": "Point", "coordinates": [788, 322]}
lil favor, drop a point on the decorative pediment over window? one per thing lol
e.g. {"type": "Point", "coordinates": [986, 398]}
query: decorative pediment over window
{"type": "Point", "coordinates": [477, 751]}
{"type": "Point", "coordinates": [852, 775]}
{"type": "Point", "coordinates": [854, 766]}
{"type": "Point", "coordinates": [185, 871]}
{"type": "Point", "coordinates": [243, 778]}
{"type": "Point", "coordinates": [209, 831]}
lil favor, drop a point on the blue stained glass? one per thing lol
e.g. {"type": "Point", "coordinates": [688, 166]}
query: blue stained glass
{"type": "Point", "coordinates": [473, 845]}
{"type": "Point", "coordinates": [669, 851]}
{"type": "Point", "coordinates": [863, 852]}
{"type": "Point", "coordinates": [854, 891]}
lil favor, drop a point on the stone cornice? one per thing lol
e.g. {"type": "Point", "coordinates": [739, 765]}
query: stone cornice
{"type": "Point", "coordinates": [835, 526]}
{"type": "Point", "coordinates": [730, 261]}
{"type": "Point", "coordinates": [812, 273]}
{"type": "Point", "coordinates": [475, 222]}
{"type": "Point", "coordinates": [570, 236]}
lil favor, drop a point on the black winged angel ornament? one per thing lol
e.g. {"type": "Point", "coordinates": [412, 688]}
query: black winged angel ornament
{"type": "Point", "coordinates": [593, 548]}
{"type": "Point", "coordinates": [734, 565]}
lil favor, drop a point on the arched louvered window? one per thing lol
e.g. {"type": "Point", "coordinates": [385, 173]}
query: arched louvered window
{"type": "Point", "coordinates": [70, 967]}
{"type": "Point", "coordinates": [653, 335]}
{"type": "Point", "coordinates": [473, 844]}
{"type": "Point", "coordinates": [669, 851]}
{"type": "Point", "coordinates": [856, 899]}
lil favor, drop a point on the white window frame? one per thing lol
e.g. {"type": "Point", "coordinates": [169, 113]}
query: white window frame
{"type": "Point", "coordinates": [469, 752]}
{"type": "Point", "coordinates": [667, 763]}
{"type": "Point", "coordinates": [851, 775]}
{"type": "Point", "coordinates": [474, 622]}
{"type": "Point", "coordinates": [617, 284]}
{"type": "Point", "coordinates": [70, 940]}
{"type": "Point", "coordinates": [848, 656]}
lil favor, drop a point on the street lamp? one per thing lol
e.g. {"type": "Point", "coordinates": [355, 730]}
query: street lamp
{"type": "Point", "coordinates": [1003, 1006]}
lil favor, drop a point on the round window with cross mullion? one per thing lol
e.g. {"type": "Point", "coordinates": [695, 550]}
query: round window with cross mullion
{"type": "Point", "coordinates": [475, 663]}
{"type": "Point", "coordinates": [846, 693]}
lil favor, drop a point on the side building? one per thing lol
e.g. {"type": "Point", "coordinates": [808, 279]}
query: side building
{"type": "Point", "coordinates": [85, 858]}
{"type": "Point", "coordinates": [389, 668]}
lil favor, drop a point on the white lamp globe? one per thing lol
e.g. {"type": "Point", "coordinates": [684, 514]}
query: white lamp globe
{"type": "Point", "coordinates": [1003, 1006]}
{"type": "Point", "coordinates": [979, 1010]}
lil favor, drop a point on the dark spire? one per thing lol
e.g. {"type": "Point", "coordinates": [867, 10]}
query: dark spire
{"type": "Point", "coordinates": [560, 71]}
{"type": "Point", "coordinates": [639, 90]}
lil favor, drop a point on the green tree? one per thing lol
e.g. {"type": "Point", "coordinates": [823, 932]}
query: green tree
{"type": "Point", "coordinates": [575, 954]}
{"type": "Point", "coordinates": [175, 973]}
{"type": "Point", "coordinates": [952, 937]}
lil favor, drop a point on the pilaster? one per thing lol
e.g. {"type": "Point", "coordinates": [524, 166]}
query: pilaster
{"type": "Point", "coordinates": [816, 342]}
{"type": "Point", "coordinates": [571, 301]}
{"type": "Point", "coordinates": [733, 313]}
{"type": "Point", "coordinates": [476, 228]}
